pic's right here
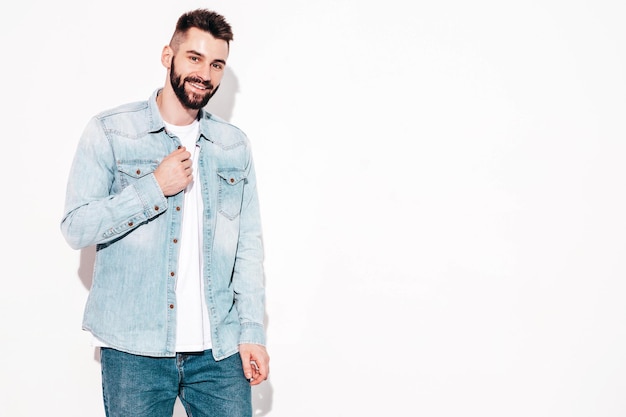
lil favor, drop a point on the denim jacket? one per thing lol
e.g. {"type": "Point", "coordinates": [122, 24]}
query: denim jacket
{"type": "Point", "coordinates": [113, 201]}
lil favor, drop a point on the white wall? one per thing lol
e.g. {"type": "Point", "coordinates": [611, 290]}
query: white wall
{"type": "Point", "coordinates": [442, 187]}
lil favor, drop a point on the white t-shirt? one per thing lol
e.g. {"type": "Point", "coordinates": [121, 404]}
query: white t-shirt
{"type": "Point", "coordinates": [193, 331]}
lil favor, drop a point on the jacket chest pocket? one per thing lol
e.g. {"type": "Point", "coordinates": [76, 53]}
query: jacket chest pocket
{"type": "Point", "coordinates": [231, 184]}
{"type": "Point", "coordinates": [131, 171]}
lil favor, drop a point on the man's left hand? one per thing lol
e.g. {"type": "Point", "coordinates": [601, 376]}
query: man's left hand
{"type": "Point", "coordinates": [256, 362]}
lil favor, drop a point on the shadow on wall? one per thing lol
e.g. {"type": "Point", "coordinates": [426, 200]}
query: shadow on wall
{"type": "Point", "coordinates": [222, 105]}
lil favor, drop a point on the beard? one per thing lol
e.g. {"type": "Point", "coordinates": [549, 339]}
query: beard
{"type": "Point", "coordinates": [191, 100]}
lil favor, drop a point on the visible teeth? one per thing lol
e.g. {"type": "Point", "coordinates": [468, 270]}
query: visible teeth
{"type": "Point", "coordinates": [201, 87]}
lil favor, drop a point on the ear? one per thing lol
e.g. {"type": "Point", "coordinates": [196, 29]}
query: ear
{"type": "Point", "coordinates": [166, 56]}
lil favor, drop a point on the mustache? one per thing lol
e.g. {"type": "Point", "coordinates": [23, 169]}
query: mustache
{"type": "Point", "coordinates": [197, 80]}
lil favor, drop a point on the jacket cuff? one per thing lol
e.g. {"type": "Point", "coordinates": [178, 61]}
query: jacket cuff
{"type": "Point", "coordinates": [151, 196]}
{"type": "Point", "coordinates": [252, 333]}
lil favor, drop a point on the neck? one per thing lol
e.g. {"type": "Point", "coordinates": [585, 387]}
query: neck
{"type": "Point", "coordinates": [172, 111]}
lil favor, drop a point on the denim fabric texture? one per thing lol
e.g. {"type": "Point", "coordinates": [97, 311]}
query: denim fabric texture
{"type": "Point", "coordinates": [143, 386]}
{"type": "Point", "coordinates": [114, 202]}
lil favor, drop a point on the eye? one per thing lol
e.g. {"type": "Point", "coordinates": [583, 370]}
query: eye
{"type": "Point", "coordinates": [217, 66]}
{"type": "Point", "coordinates": [194, 58]}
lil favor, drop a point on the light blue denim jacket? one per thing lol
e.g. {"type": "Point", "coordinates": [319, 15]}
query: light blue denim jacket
{"type": "Point", "coordinates": [114, 202]}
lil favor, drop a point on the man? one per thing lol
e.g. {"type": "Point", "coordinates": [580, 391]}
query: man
{"type": "Point", "coordinates": [167, 193]}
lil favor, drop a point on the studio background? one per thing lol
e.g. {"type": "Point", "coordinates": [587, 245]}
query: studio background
{"type": "Point", "coordinates": [442, 195]}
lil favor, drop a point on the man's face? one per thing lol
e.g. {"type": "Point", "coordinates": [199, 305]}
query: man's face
{"type": "Point", "coordinates": [197, 68]}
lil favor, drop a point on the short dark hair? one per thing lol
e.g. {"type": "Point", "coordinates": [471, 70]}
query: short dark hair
{"type": "Point", "coordinates": [203, 19]}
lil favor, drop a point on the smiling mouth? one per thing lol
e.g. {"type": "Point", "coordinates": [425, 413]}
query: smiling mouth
{"type": "Point", "coordinates": [198, 86]}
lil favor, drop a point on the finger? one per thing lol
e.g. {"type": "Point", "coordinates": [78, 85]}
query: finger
{"type": "Point", "coordinates": [263, 371]}
{"type": "Point", "coordinates": [181, 153]}
{"type": "Point", "coordinates": [255, 369]}
{"type": "Point", "coordinates": [260, 371]}
{"type": "Point", "coordinates": [258, 377]}
{"type": "Point", "coordinates": [247, 367]}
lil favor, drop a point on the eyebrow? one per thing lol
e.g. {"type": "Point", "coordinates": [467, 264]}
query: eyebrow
{"type": "Point", "coordinates": [194, 52]}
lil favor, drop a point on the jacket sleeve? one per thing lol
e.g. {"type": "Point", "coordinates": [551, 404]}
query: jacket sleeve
{"type": "Point", "coordinates": [93, 214]}
{"type": "Point", "coordinates": [248, 274]}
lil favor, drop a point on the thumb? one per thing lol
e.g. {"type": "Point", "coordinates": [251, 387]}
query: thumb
{"type": "Point", "coordinates": [247, 367]}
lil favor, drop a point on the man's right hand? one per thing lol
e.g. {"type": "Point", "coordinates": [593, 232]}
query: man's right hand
{"type": "Point", "coordinates": [174, 173]}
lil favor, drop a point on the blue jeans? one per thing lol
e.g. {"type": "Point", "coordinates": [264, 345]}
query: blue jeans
{"type": "Point", "coordinates": [143, 386]}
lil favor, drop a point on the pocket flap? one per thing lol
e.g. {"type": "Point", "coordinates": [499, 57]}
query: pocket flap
{"type": "Point", "coordinates": [136, 169]}
{"type": "Point", "coordinates": [231, 176]}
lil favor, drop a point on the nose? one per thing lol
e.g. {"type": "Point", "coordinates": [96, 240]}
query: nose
{"type": "Point", "coordinates": [206, 71]}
